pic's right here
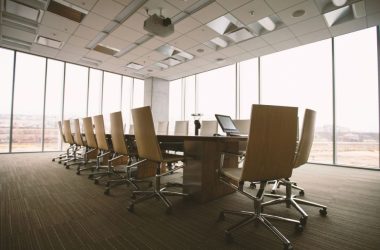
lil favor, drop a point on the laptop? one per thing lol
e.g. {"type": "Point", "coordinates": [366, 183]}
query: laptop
{"type": "Point", "coordinates": [227, 125]}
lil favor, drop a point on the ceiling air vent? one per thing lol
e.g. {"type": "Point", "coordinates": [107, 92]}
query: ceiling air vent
{"type": "Point", "coordinates": [134, 66]}
{"type": "Point", "coordinates": [106, 49]}
{"type": "Point", "coordinates": [67, 10]}
{"type": "Point", "coordinates": [24, 11]}
{"type": "Point", "coordinates": [49, 42]}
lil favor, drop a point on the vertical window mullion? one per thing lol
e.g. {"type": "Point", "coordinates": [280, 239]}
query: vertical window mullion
{"type": "Point", "coordinates": [333, 102]}
{"type": "Point", "coordinates": [12, 104]}
{"type": "Point", "coordinates": [44, 108]}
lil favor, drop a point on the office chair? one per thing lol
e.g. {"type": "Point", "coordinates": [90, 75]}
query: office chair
{"type": "Point", "coordinates": [181, 128]}
{"type": "Point", "coordinates": [162, 128]}
{"type": "Point", "coordinates": [80, 146]}
{"type": "Point", "coordinates": [149, 150]}
{"type": "Point", "coordinates": [131, 130]}
{"type": "Point", "coordinates": [66, 155]}
{"type": "Point", "coordinates": [209, 128]}
{"type": "Point", "coordinates": [301, 158]}
{"type": "Point", "coordinates": [269, 155]}
{"type": "Point", "coordinates": [70, 140]}
{"type": "Point", "coordinates": [242, 125]}
{"type": "Point", "coordinates": [120, 151]}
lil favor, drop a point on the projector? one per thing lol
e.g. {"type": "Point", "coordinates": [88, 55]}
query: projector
{"type": "Point", "coordinates": [159, 26]}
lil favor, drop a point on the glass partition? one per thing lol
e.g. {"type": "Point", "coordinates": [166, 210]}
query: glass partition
{"type": "Point", "coordinates": [126, 101]}
{"type": "Point", "coordinates": [249, 86]}
{"type": "Point", "coordinates": [95, 92]}
{"type": "Point", "coordinates": [111, 97]}
{"type": "Point", "coordinates": [175, 103]}
{"type": "Point", "coordinates": [138, 93]}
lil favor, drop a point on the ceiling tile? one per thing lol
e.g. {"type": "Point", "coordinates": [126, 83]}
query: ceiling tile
{"type": "Point", "coordinates": [209, 13]}
{"type": "Point", "coordinates": [187, 25]}
{"type": "Point", "coordinates": [203, 50]}
{"type": "Point", "coordinates": [154, 56]}
{"type": "Point", "coordinates": [127, 34]}
{"type": "Point", "coordinates": [171, 37]}
{"type": "Point", "coordinates": [309, 7]}
{"type": "Point", "coordinates": [231, 51]}
{"type": "Point", "coordinates": [140, 51]}
{"type": "Point", "coordinates": [278, 36]}
{"type": "Point", "coordinates": [373, 20]}
{"type": "Point", "coordinates": [263, 51]}
{"type": "Point", "coordinates": [349, 26]}
{"type": "Point", "coordinates": [53, 33]}
{"type": "Point", "coordinates": [60, 23]}
{"type": "Point", "coordinates": [78, 41]}
{"type": "Point", "coordinates": [95, 21]}
{"type": "Point", "coordinates": [136, 22]}
{"type": "Point", "coordinates": [182, 5]}
{"type": "Point", "coordinates": [253, 43]}
{"type": "Point", "coordinates": [202, 34]}
{"type": "Point", "coordinates": [44, 50]}
{"type": "Point", "coordinates": [286, 44]}
{"type": "Point", "coordinates": [17, 33]}
{"type": "Point", "coordinates": [75, 49]}
{"type": "Point", "coordinates": [308, 26]}
{"type": "Point", "coordinates": [260, 8]}
{"type": "Point", "coordinates": [231, 5]}
{"type": "Point", "coordinates": [242, 57]}
{"type": "Point", "coordinates": [129, 57]}
{"type": "Point", "coordinates": [68, 57]}
{"type": "Point", "coordinates": [98, 56]}
{"type": "Point", "coordinates": [115, 42]}
{"type": "Point", "coordinates": [283, 4]}
{"type": "Point", "coordinates": [212, 57]}
{"type": "Point", "coordinates": [315, 36]}
{"type": "Point", "coordinates": [160, 7]}
{"type": "Point", "coordinates": [85, 4]}
{"type": "Point", "coordinates": [123, 2]}
{"type": "Point", "coordinates": [85, 32]}
{"type": "Point", "coordinates": [107, 8]}
{"type": "Point", "coordinates": [372, 6]}
{"type": "Point", "coordinates": [153, 43]}
{"type": "Point", "coordinates": [183, 42]}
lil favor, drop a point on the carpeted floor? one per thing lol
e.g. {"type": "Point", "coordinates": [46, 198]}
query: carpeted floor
{"type": "Point", "coordinates": [45, 206]}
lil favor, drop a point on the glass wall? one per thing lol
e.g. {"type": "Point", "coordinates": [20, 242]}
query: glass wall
{"type": "Point", "coordinates": [6, 66]}
{"type": "Point", "coordinates": [127, 100]}
{"type": "Point", "coordinates": [138, 93]}
{"type": "Point", "coordinates": [95, 92]}
{"type": "Point", "coordinates": [76, 83]}
{"type": "Point", "coordinates": [53, 104]}
{"type": "Point", "coordinates": [111, 97]}
{"type": "Point", "coordinates": [357, 106]}
{"type": "Point", "coordinates": [248, 87]}
{"type": "Point", "coordinates": [28, 103]}
{"type": "Point", "coordinates": [306, 82]}
{"type": "Point", "coordinates": [175, 103]}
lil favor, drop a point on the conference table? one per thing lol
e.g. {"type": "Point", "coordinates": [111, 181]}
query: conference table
{"type": "Point", "coordinates": [202, 160]}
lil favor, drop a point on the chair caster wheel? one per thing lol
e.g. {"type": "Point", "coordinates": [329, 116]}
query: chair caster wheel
{"type": "Point", "coordinates": [299, 227]}
{"type": "Point", "coordinates": [59, 162]}
{"type": "Point", "coordinates": [252, 185]}
{"type": "Point", "coordinates": [301, 193]}
{"type": "Point", "coordinates": [96, 181]}
{"type": "Point", "coordinates": [107, 191]}
{"type": "Point", "coordinates": [131, 208]}
{"type": "Point", "coordinates": [273, 191]}
{"type": "Point", "coordinates": [228, 237]}
{"type": "Point", "coordinates": [90, 176]}
{"type": "Point", "coordinates": [78, 172]}
{"type": "Point", "coordinates": [107, 184]}
{"type": "Point", "coordinates": [288, 246]}
{"type": "Point", "coordinates": [67, 167]}
{"type": "Point", "coordinates": [323, 211]}
{"type": "Point", "coordinates": [221, 216]}
{"type": "Point", "coordinates": [169, 210]}
{"type": "Point", "coordinates": [303, 221]}
{"type": "Point", "coordinates": [53, 160]}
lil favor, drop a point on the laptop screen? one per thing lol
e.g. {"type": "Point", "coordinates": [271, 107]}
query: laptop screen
{"type": "Point", "coordinates": [226, 124]}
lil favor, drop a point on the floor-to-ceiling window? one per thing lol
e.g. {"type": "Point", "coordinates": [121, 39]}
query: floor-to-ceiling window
{"type": "Point", "coordinates": [76, 83]}
{"type": "Point", "coordinates": [111, 96]}
{"type": "Point", "coordinates": [6, 66]}
{"type": "Point", "coordinates": [127, 100]}
{"type": "Point", "coordinates": [53, 104]}
{"type": "Point", "coordinates": [302, 77]}
{"type": "Point", "coordinates": [95, 92]}
{"type": "Point", "coordinates": [357, 103]}
{"type": "Point", "coordinates": [28, 103]}
{"type": "Point", "coordinates": [175, 103]}
{"type": "Point", "coordinates": [248, 86]}
{"type": "Point", "coordinates": [138, 93]}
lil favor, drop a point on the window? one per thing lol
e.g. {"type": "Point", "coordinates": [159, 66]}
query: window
{"type": "Point", "coordinates": [357, 103]}
{"type": "Point", "coordinates": [6, 66]}
{"type": "Point", "coordinates": [53, 104]}
{"type": "Point", "coordinates": [138, 93]}
{"type": "Point", "coordinates": [126, 105]}
{"type": "Point", "coordinates": [249, 86]}
{"type": "Point", "coordinates": [28, 103]}
{"type": "Point", "coordinates": [302, 77]}
{"type": "Point", "coordinates": [76, 82]}
{"type": "Point", "coordinates": [95, 92]}
{"type": "Point", "coordinates": [175, 103]}
{"type": "Point", "coordinates": [217, 92]}
{"type": "Point", "coordinates": [111, 97]}
{"type": "Point", "coordinates": [190, 107]}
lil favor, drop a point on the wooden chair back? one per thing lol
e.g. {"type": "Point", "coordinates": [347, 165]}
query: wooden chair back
{"type": "Point", "coordinates": [61, 132]}
{"type": "Point", "coordinates": [145, 135]}
{"type": "Point", "coordinates": [162, 128]}
{"type": "Point", "coordinates": [117, 133]}
{"type": "Point", "coordinates": [100, 132]}
{"type": "Point", "coordinates": [89, 132]}
{"type": "Point", "coordinates": [242, 125]}
{"type": "Point", "coordinates": [131, 129]}
{"type": "Point", "coordinates": [67, 132]}
{"type": "Point", "coordinates": [77, 133]}
{"type": "Point", "coordinates": [271, 143]}
{"type": "Point", "coordinates": [209, 128]}
{"type": "Point", "coordinates": [307, 137]}
{"type": "Point", "coordinates": [181, 128]}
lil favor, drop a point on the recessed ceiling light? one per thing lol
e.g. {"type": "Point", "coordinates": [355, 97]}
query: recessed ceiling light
{"type": "Point", "coordinates": [252, 12]}
{"type": "Point", "coordinates": [49, 42]}
{"type": "Point", "coordinates": [134, 66]}
{"type": "Point", "coordinates": [267, 23]}
{"type": "Point", "coordinates": [298, 13]}
{"type": "Point", "coordinates": [200, 50]}
{"type": "Point", "coordinates": [339, 3]}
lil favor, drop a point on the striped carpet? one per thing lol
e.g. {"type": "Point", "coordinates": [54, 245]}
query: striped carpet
{"type": "Point", "coordinates": [45, 206]}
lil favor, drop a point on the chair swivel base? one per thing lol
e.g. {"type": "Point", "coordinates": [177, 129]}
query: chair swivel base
{"type": "Point", "coordinates": [262, 219]}
{"type": "Point", "coordinates": [128, 181]}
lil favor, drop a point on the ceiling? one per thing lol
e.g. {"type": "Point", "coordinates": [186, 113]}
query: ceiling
{"type": "Point", "coordinates": [294, 23]}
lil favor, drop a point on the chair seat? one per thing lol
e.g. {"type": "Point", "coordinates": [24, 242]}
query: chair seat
{"type": "Point", "coordinates": [172, 157]}
{"type": "Point", "coordinates": [233, 173]}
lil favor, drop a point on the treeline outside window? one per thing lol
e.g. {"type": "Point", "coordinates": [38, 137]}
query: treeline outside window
{"type": "Point", "coordinates": [303, 77]}
{"type": "Point", "coordinates": [34, 99]}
